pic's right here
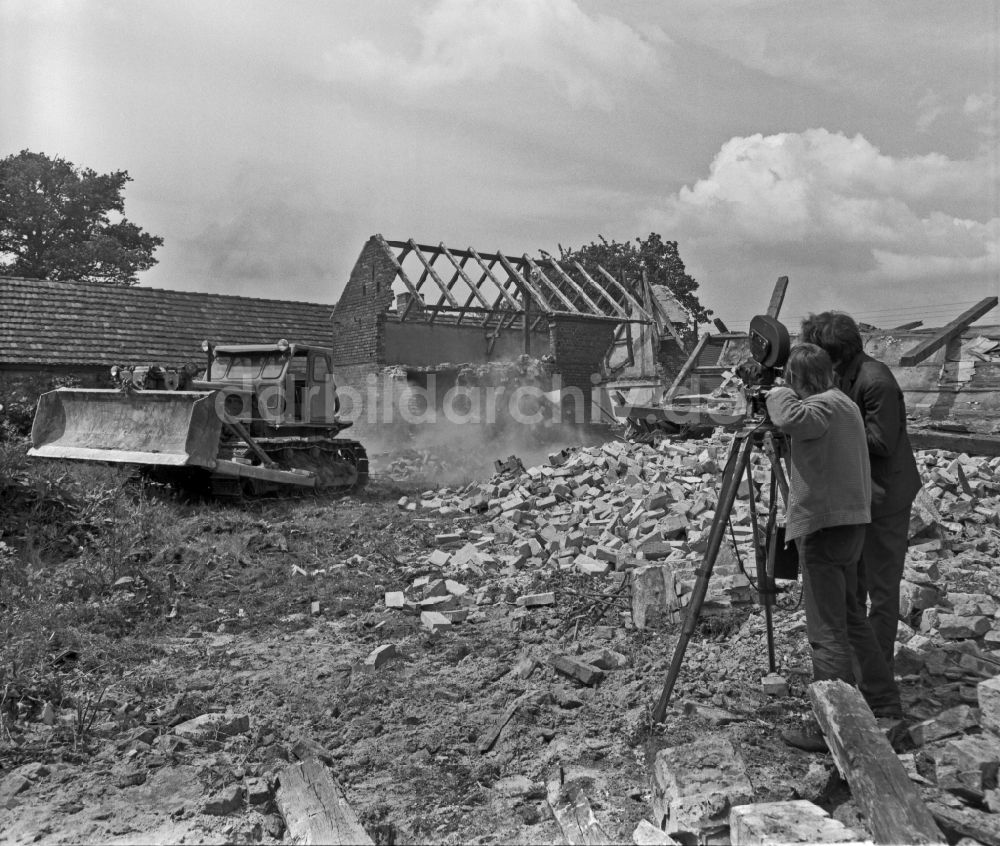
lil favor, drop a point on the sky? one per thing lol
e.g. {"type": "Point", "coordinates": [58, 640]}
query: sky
{"type": "Point", "coordinates": [852, 146]}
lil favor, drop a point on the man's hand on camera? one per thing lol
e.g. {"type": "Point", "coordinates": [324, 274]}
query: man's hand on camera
{"type": "Point", "coordinates": [749, 370]}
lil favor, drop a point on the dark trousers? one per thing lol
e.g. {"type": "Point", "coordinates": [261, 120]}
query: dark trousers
{"type": "Point", "coordinates": [843, 644]}
{"type": "Point", "coordinates": [879, 574]}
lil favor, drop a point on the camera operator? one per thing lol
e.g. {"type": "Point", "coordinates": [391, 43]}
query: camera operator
{"type": "Point", "coordinates": [829, 505]}
{"type": "Point", "coordinates": [895, 478]}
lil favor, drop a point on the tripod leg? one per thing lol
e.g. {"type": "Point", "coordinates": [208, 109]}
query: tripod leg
{"type": "Point", "coordinates": [736, 465]}
{"type": "Point", "coordinates": [763, 549]}
{"type": "Point", "coordinates": [765, 573]}
{"type": "Point", "coordinates": [775, 448]}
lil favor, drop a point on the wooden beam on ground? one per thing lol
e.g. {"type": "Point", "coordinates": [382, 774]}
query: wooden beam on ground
{"type": "Point", "coordinates": [946, 334]}
{"type": "Point", "coordinates": [906, 327]}
{"type": "Point", "coordinates": [968, 442]}
{"type": "Point", "coordinates": [576, 818]}
{"type": "Point", "coordinates": [314, 807]}
{"type": "Point", "coordinates": [486, 742]}
{"type": "Point", "coordinates": [892, 804]}
{"type": "Point", "coordinates": [777, 297]}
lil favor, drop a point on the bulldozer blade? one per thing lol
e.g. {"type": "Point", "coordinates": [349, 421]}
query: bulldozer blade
{"type": "Point", "coordinates": [163, 428]}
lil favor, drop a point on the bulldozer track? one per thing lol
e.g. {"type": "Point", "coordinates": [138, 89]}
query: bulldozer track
{"type": "Point", "coordinates": [340, 466]}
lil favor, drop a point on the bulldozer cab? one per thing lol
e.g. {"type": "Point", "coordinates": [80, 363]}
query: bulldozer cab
{"type": "Point", "coordinates": [293, 384]}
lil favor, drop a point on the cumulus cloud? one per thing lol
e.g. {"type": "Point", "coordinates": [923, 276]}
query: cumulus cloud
{"type": "Point", "coordinates": [837, 208]}
{"type": "Point", "coordinates": [581, 55]}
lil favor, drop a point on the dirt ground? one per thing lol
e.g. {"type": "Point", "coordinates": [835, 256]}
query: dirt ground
{"type": "Point", "coordinates": [269, 610]}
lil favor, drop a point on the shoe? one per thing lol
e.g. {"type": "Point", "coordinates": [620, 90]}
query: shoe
{"type": "Point", "coordinates": [808, 739]}
{"type": "Point", "coordinates": [891, 713]}
{"type": "Point", "coordinates": [895, 730]}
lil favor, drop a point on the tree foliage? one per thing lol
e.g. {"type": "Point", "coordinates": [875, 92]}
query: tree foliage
{"type": "Point", "coordinates": [58, 222]}
{"type": "Point", "coordinates": [626, 262]}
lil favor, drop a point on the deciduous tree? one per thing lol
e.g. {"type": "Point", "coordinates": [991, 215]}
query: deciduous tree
{"type": "Point", "coordinates": [58, 221]}
{"type": "Point", "coordinates": [626, 261]}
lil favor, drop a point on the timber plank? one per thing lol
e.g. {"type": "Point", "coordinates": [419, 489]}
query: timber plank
{"type": "Point", "coordinates": [947, 333]}
{"type": "Point", "coordinates": [970, 442]}
{"type": "Point", "coordinates": [879, 783]}
{"type": "Point", "coordinates": [777, 297]}
{"type": "Point", "coordinates": [315, 809]}
{"type": "Point", "coordinates": [576, 818]}
{"type": "Point", "coordinates": [491, 736]}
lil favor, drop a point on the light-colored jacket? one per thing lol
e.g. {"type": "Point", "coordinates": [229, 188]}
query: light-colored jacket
{"type": "Point", "coordinates": [830, 477]}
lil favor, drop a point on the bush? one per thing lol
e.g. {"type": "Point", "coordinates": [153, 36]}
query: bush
{"type": "Point", "coordinates": [19, 399]}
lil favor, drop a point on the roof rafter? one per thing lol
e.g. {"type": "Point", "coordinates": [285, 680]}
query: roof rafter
{"type": "Point", "coordinates": [428, 266]}
{"type": "Point", "coordinates": [540, 275]}
{"type": "Point", "coordinates": [569, 281]}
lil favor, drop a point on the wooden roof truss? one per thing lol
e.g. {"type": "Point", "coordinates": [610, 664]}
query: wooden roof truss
{"type": "Point", "coordinates": [499, 292]}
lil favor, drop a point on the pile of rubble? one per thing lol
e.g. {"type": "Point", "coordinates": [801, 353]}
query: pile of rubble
{"type": "Point", "coordinates": [598, 511]}
{"type": "Point", "coordinates": [638, 516]}
{"type": "Point", "coordinates": [426, 463]}
{"type": "Point", "coordinates": [647, 511]}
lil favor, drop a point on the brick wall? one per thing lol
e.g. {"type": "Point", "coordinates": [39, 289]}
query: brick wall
{"type": "Point", "coordinates": [579, 346]}
{"type": "Point", "coordinates": [419, 344]}
{"type": "Point", "coordinates": [359, 314]}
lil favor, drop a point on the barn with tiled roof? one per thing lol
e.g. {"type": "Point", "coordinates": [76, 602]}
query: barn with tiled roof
{"type": "Point", "coordinates": [82, 326]}
{"type": "Point", "coordinates": [54, 333]}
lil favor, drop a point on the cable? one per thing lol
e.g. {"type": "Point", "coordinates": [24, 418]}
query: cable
{"type": "Point", "coordinates": [739, 558]}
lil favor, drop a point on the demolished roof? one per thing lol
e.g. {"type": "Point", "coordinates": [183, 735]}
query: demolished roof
{"type": "Point", "coordinates": [496, 288]}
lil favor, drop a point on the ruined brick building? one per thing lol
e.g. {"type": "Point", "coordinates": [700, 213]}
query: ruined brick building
{"type": "Point", "coordinates": [412, 314]}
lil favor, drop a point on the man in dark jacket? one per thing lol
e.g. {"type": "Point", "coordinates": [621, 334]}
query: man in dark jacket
{"type": "Point", "coordinates": [895, 479]}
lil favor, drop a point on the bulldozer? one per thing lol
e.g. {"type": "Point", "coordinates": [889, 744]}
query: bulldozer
{"type": "Point", "coordinates": [260, 418]}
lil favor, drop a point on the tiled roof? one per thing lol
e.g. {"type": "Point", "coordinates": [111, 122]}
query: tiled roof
{"type": "Point", "coordinates": [83, 323]}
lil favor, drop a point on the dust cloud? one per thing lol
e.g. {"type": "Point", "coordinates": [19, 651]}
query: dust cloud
{"type": "Point", "coordinates": [453, 454]}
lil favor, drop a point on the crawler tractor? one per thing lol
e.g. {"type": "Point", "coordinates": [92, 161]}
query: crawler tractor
{"type": "Point", "coordinates": [261, 418]}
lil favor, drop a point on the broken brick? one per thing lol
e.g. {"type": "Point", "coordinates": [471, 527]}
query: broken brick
{"type": "Point", "coordinates": [575, 668]}
{"type": "Point", "coordinates": [380, 656]}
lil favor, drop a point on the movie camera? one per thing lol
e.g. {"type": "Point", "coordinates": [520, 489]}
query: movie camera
{"type": "Point", "coordinates": [769, 345]}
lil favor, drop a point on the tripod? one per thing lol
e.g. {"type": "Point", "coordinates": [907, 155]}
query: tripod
{"type": "Point", "coordinates": [738, 465]}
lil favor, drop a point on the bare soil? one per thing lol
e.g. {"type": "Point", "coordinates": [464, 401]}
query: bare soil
{"type": "Point", "coordinates": [220, 616]}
